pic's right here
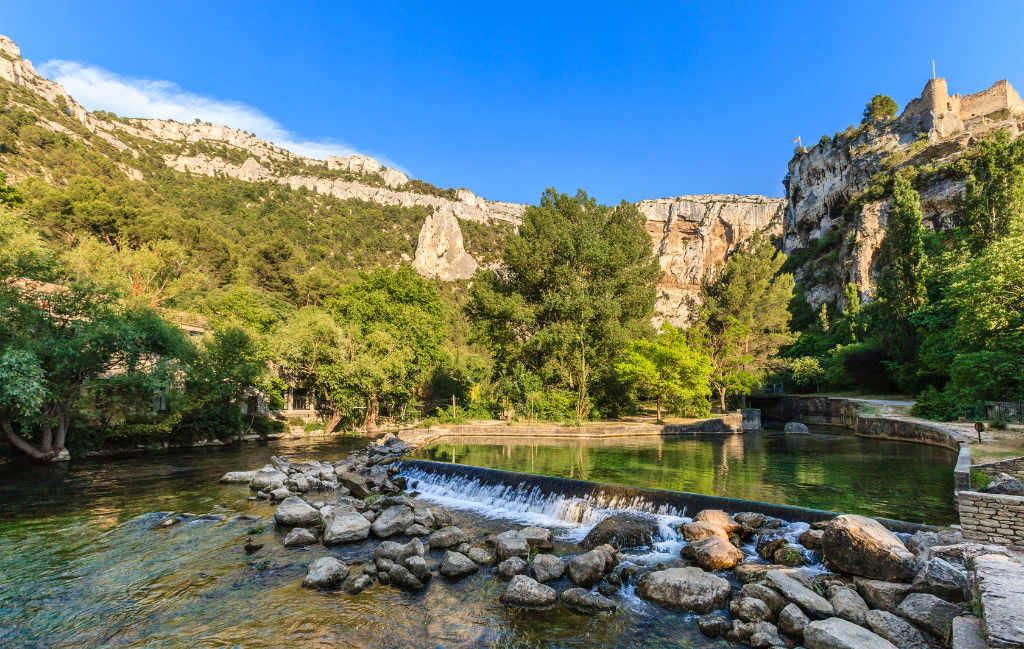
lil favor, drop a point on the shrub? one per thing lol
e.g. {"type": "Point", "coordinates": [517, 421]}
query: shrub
{"type": "Point", "coordinates": [935, 405]}
{"type": "Point", "coordinates": [997, 424]}
{"type": "Point", "coordinates": [879, 106]}
{"type": "Point", "coordinates": [979, 480]}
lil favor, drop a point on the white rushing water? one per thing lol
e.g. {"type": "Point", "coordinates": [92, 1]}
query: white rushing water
{"type": "Point", "coordinates": [570, 518]}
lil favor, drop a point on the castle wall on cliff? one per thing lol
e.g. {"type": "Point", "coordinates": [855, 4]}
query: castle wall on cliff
{"type": "Point", "coordinates": [828, 176]}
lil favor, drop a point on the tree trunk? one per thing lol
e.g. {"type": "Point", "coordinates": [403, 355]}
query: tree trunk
{"type": "Point", "coordinates": [333, 422]}
{"type": "Point", "coordinates": [721, 397]}
{"type": "Point", "coordinates": [371, 414]}
{"type": "Point", "coordinates": [659, 408]}
{"type": "Point", "coordinates": [22, 445]}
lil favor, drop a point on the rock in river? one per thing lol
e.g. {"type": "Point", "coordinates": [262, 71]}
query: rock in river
{"type": "Point", "coordinates": [862, 546]}
{"type": "Point", "coordinates": [792, 621]}
{"type": "Point", "coordinates": [295, 511]}
{"type": "Point", "coordinates": [623, 531]}
{"type": "Point", "coordinates": [447, 537]}
{"type": "Point", "coordinates": [715, 554]}
{"type": "Point", "coordinates": [812, 603]}
{"type": "Point", "coordinates": [547, 567]}
{"type": "Point", "coordinates": [719, 518]}
{"type": "Point", "coordinates": [325, 572]}
{"type": "Point", "coordinates": [697, 530]}
{"type": "Point", "coordinates": [584, 602]}
{"type": "Point", "coordinates": [345, 527]}
{"type": "Point", "coordinates": [511, 567]}
{"type": "Point", "coordinates": [929, 613]}
{"type": "Point", "coordinates": [587, 569]}
{"type": "Point", "coordinates": [689, 589]}
{"type": "Point", "coordinates": [943, 579]}
{"type": "Point", "coordinates": [393, 520]}
{"type": "Point", "coordinates": [238, 477]}
{"type": "Point", "coordinates": [884, 595]}
{"type": "Point", "coordinates": [835, 633]}
{"type": "Point", "coordinates": [299, 537]}
{"type": "Point", "coordinates": [511, 544]}
{"type": "Point", "coordinates": [267, 479]}
{"type": "Point", "coordinates": [527, 592]}
{"type": "Point", "coordinates": [898, 631]}
{"type": "Point", "coordinates": [455, 565]}
{"type": "Point", "coordinates": [538, 537]}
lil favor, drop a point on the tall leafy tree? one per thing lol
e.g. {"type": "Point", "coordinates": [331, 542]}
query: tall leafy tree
{"type": "Point", "coordinates": [995, 191]}
{"type": "Point", "coordinates": [668, 370]}
{"type": "Point", "coordinates": [900, 287]}
{"type": "Point", "coordinates": [577, 283]}
{"type": "Point", "coordinates": [745, 313]}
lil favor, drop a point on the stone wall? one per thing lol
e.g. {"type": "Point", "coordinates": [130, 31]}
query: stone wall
{"type": "Point", "coordinates": [751, 418]}
{"type": "Point", "coordinates": [821, 410]}
{"type": "Point", "coordinates": [1014, 466]}
{"type": "Point", "coordinates": [904, 430]}
{"type": "Point", "coordinates": [992, 518]}
{"type": "Point", "coordinates": [1000, 97]}
{"type": "Point", "coordinates": [728, 423]}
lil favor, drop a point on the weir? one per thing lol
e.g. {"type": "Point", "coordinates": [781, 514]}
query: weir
{"type": "Point", "coordinates": [578, 502]}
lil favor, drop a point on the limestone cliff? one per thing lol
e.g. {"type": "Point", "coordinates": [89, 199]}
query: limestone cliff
{"type": "Point", "coordinates": [692, 234]}
{"type": "Point", "coordinates": [440, 251]}
{"type": "Point", "coordinates": [932, 133]}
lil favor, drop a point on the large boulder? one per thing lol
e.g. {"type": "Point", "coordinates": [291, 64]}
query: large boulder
{"type": "Point", "coordinates": [418, 567]}
{"type": "Point", "coordinates": [792, 621]}
{"type": "Point", "coordinates": [884, 595]}
{"type": "Point", "coordinates": [393, 520]}
{"type": "Point", "coordinates": [447, 537]}
{"type": "Point", "coordinates": [836, 633]}
{"type": "Point", "coordinates": [959, 553]}
{"type": "Point", "coordinates": [481, 556]}
{"type": "Point", "coordinates": [943, 579]}
{"type": "Point", "coordinates": [413, 548]}
{"type": "Point", "coordinates": [715, 554]}
{"type": "Point", "coordinates": [719, 518]}
{"type": "Point", "coordinates": [862, 546]}
{"type": "Point", "coordinates": [401, 577]}
{"type": "Point", "coordinates": [538, 537]}
{"type": "Point", "coordinates": [442, 517]}
{"type": "Point", "coordinates": [345, 527]}
{"type": "Point", "coordinates": [359, 485]}
{"type": "Point", "coordinates": [584, 602]}
{"type": "Point", "coordinates": [697, 530]}
{"type": "Point", "coordinates": [712, 625]}
{"type": "Point", "coordinates": [547, 567]}
{"type": "Point", "coordinates": [294, 511]}
{"type": "Point", "coordinates": [238, 477]}
{"type": "Point", "coordinates": [812, 603]}
{"type": "Point", "coordinates": [688, 589]}
{"type": "Point", "coordinates": [299, 537]}
{"type": "Point", "coordinates": [456, 565]}
{"type": "Point", "coordinates": [849, 605]}
{"type": "Point", "coordinates": [511, 567]}
{"type": "Point", "coordinates": [769, 596]}
{"type": "Point", "coordinates": [795, 427]}
{"type": "Point", "coordinates": [898, 631]}
{"type": "Point", "coordinates": [929, 613]}
{"type": "Point", "coordinates": [1006, 484]}
{"type": "Point", "coordinates": [811, 539]}
{"type": "Point", "coordinates": [267, 480]}
{"type": "Point", "coordinates": [629, 530]}
{"type": "Point", "coordinates": [750, 609]}
{"type": "Point", "coordinates": [526, 592]}
{"type": "Point", "coordinates": [325, 572]}
{"type": "Point", "coordinates": [511, 544]}
{"type": "Point", "coordinates": [587, 569]}
{"type": "Point", "coordinates": [282, 463]}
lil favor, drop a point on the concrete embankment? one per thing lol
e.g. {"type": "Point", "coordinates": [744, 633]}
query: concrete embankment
{"type": "Point", "coordinates": [726, 423]}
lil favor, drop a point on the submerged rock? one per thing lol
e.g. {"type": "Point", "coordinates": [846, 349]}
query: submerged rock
{"type": "Point", "coordinates": [584, 602]}
{"type": "Point", "coordinates": [325, 572]}
{"type": "Point", "coordinates": [629, 530]}
{"type": "Point", "coordinates": [862, 546]}
{"type": "Point", "coordinates": [526, 592]}
{"type": "Point", "coordinates": [689, 589]}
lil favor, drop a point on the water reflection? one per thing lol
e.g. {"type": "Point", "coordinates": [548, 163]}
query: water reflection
{"type": "Point", "coordinates": [824, 470]}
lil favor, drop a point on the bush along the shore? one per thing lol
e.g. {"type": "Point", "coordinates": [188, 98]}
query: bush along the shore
{"type": "Point", "coordinates": [849, 577]}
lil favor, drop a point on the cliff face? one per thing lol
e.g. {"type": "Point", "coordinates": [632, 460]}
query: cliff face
{"type": "Point", "coordinates": [932, 133]}
{"type": "Point", "coordinates": [691, 234]}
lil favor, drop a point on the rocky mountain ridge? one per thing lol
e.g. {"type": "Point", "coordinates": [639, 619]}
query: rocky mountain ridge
{"type": "Point", "coordinates": [690, 234]}
{"type": "Point", "coordinates": [932, 134]}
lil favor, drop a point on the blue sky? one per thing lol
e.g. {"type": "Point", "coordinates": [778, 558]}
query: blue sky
{"type": "Point", "coordinates": [624, 100]}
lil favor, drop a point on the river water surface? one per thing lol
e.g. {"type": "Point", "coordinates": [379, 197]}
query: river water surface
{"type": "Point", "coordinates": [80, 566]}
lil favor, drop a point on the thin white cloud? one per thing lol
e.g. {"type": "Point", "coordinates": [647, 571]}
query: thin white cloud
{"type": "Point", "coordinates": [99, 89]}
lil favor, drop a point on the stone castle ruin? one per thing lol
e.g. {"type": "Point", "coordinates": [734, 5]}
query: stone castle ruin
{"type": "Point", "coordinates": [946, 114]}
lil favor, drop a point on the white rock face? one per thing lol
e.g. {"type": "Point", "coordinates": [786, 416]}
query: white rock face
{"type": "Point", "coordinates": [440, 251]}
{"type": "Point", "coordinates": [691, 234]}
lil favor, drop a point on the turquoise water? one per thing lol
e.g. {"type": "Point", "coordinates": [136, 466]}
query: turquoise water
{"type": "Point", "coordinates": [829, 469]}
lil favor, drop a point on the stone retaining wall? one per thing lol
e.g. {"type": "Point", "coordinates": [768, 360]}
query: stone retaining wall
{"type": "Point", "coordinates": [728, 423]}
{"type": "Point", "coordinates": [904, 430]}
{"type": "Point", "coordinates": [827, 411]}
{"type": "Point", "coordinates": [992, 518]}
{"type": "Point", "coordinates": [1014, 466]}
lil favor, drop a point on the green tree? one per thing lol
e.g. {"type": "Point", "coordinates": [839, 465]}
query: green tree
{"type": "Point", "coordinates": [850, 326]}
{"type": "Point", "coordinates": [749, 297]}
{"type": "Point", "coordinates": [9, 194]}
{"type": "Point", "coordinates": [666, 369]}
{"type": "Point", "coordinates": [900, 287]}
{"type": "Point", "coordinates": [726, 344]}
{"type": "Point", "coordinates": [807, 370]}
{"type": "Point", "coordinates": [879, 106]}
{"type": "Point", "coordinates": [995, 191]}
{"type": "Point", "coordinates": [578, 282]}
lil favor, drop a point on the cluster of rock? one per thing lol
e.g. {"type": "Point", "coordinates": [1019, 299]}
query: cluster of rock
{"type": "Point", "coordinates": [880, 594]}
